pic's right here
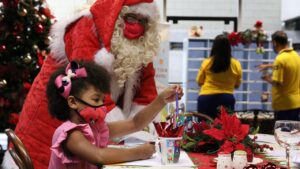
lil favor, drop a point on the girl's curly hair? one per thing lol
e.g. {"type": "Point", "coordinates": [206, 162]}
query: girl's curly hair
{"type": "Point", "coordinates": [97, 76]}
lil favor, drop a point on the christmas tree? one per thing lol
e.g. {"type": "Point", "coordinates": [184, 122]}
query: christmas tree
{"type": "Point", "coordinates": [24, 40]}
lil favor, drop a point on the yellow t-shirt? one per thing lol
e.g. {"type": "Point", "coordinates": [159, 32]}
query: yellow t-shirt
{"type": "Point", "coordinates": [215, 83]}
{"type": "Point", "coordinates": [286, 72]}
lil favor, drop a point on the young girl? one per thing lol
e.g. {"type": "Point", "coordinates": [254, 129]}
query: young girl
{"type": "Point", "coordinates": [76, 94]}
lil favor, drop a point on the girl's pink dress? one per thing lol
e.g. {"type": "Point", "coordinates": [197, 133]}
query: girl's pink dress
{"type": "Point", "coordinates": [97, 134]}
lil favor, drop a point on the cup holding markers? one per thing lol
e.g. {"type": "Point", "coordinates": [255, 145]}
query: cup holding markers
{"type": "Point", "coordinates": [169, 149]}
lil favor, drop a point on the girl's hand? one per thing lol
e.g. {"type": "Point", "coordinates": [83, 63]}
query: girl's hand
{"type": "Point", "coordinates": [146, 151]}
{"type": "Point", "coordinates": [169, 94]}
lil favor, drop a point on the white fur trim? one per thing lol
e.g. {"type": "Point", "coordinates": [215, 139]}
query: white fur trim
{"type": "Point", "coordinates": [105, 59]}
{"type": "Point", "coordinates": [131, 85]}
{"type": "Point", "coordinates": [135, 108]}
{"type": "Point", "coordinates": [146, 9]}
{"type": "Point", "coordinates": [130, 90]}
{"type": "Point", "coordinates": [57, 33]}
{"type": "Point", "coordinates": [8, 162]}
{"type": "Point", "coordinates": [115, 114]}
{"type": "Point", "coordinates": [116, 91]}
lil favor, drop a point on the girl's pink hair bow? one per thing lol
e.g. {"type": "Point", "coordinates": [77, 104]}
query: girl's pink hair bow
{"type": "Point", "coordinates": [64, 82]}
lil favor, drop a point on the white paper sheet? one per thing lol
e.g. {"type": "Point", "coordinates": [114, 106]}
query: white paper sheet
{"type": "Point", "coordinates": [184, 161]}
{"type": "Point", "coordinates": [139, 137]}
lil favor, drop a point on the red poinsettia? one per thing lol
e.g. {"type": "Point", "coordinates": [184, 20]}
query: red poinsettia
{"type": "Point", "coordinates": [231, 132]}
{"type": "Point", "coordinates": [234, 38]}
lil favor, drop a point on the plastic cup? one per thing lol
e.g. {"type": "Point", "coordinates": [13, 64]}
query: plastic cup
{"type": "Point", "coordinates": [169, 149]}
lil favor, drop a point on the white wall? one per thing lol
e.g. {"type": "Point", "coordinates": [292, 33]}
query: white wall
{"type": "Point", "coordinates": [202, 7]}
{"type": "Point", "coordinates": [63, 8]}
{"type": "Point", "coordinates": [290, 9]}
{"type": "Point", "coordinates": [268, 11]}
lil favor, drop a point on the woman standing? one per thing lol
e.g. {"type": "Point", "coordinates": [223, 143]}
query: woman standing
{"type": "Point", "coordinates": [218, 76]}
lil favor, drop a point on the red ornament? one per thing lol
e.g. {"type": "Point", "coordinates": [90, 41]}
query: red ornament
{"type": "Point", "coordinates": [47, 12]}
{"type": "Point", "coordinates": [13, 118]}
{"type": "Point", "coordinates": [39, 28]}
{"type": "Point", "coordinates": [26, 86]}
{"type": "Point", "coordinates": [2, 48]}
{"type": "Point", "coordinates": [10, 3]}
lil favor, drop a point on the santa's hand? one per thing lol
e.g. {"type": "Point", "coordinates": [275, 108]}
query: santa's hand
{"type": "Point", "coordinates": [105, 59]}
{"type": "Point", "coordinates": [169, 94]}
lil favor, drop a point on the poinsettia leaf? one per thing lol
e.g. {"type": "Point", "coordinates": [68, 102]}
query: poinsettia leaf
{"type": "Point", "coordinates": [186, 137]}
{"type": "Point", "coordinates": [189, 145]}
{"type": "Point", "coordinates": [215, 133]}
{"type": "Point", "coordinates": [255, 131]}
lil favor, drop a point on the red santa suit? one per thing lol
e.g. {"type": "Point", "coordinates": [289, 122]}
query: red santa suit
{"type": "Point", "coordinates": [84, 37]}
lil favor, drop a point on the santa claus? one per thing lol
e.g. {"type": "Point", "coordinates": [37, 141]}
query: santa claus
{"type": "Point", "coordinates": [120, 35]}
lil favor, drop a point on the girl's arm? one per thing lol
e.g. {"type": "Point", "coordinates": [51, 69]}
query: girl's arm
{"type": "Point", "coordinates": [146, 115]}
{"type": "Point", "coordinates": [79, 146]}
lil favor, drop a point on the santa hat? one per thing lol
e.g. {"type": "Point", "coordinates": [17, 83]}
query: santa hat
{"type": "Point", "coordinates": [105, 14]}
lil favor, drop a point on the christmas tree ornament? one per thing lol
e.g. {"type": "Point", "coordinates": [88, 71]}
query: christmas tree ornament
{"type": "Point", "coordinates": [48, 40]}
{"type": "Point", "coordinates": [18, 27]}
{"type": "Point", "coordinates": [16, 47]}
{"type": "Point", "coordinates": [39, 28]}
{"type": "Point", "coordinates": [28, 29]}
{"type": "Point", "coordinates": [46, 12]}
{"type": "Point", "coordinates": [26, 85]}
{"type": "Point", "coordinates": [3, 83]}
{"type": "Point", "coordinates": [1, 17]}
{"type": "Point", "coordinates": [43, 18]}
{"type": "Point", "coordinates": [2, 48]}
{"type": "Point", "coordinates": [35, 48]}
{"type": "Point", "coordinates": [19, 39]}
{"type": "Point", "coordinates": [27, 58]}
{"type": "Point", "coordinates": [37, 17]}
{"type": "Point", "coordinates": [37, 2]}
{"type": "Point", "coordinates": [22, 11]}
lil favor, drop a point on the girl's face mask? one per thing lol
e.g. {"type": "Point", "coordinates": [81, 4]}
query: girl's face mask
{"type": "Point", "coordinates": [134, 27]}
{"type": "Point", "coordinates": [92, 114]}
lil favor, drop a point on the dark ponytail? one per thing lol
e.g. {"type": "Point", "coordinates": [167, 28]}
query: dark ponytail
{"type": "Point", "coordinates": [221, 54]}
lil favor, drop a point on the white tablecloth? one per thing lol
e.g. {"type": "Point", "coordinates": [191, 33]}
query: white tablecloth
{"type": "Point", "coordinates": [278, 153]}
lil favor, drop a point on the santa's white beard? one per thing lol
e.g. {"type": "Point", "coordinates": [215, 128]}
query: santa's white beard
{"type": "Point", "coordinates": [132, 55]}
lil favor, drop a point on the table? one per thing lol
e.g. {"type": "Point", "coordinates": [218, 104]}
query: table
{"type": "Point", "coordinates": [204, 161]}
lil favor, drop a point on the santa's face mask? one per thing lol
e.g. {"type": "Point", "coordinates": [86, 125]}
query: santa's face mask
{"type": "Point", "coordinates": [134, 26]}
{"type": "Point", "coordinates": [92, 114]}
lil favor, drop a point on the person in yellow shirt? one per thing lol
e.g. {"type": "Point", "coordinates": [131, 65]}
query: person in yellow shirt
{"type": "Point", "coordinates": [218, 76]}
{"type": "Point", "coordinates": [285, 79]}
